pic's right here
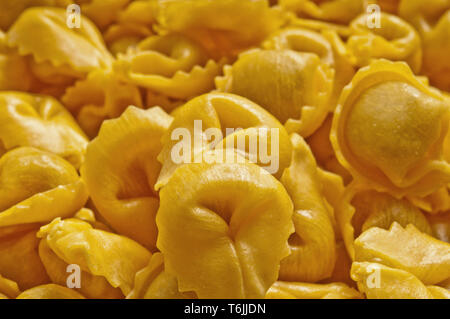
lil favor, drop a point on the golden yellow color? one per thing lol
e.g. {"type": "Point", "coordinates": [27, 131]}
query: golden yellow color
{"type": "Point", "coordinates": [334, 11]}
{"type": "Point", "coordinates": [222, 112]}
{"type": "Point", "coordinates": [361, 208]}
{"type": "Point", "coordinates": [394, 39]}
{"type": "Point", "coordinates": [432, 20]}
{"type": "Point", "coordinates": [58, 54]}
{"type": "Point", "coordinates": [312, 245]}
{"type": "Point", "coordinates": [388, 130]}
{"type": "Point", "coordinates": [420, 254]}
{"type": "Point", "coordinates": [50, 291]}
{"type": "Point", "coordinates": [326, 44]}
{"type": "Point", "coordinates": [153, 282]}
{"type": "Point", "coordinates": [299, 290]}
{"type": "Point", "coordinates": [293, 86]}
{"type": "Point", "coordinates": [37, 186]}
{"type": "Point", "coordinates": [392, 283]}
{"type": "Point", "coordinates": [218, 25]}
{"type": "Point", "coordinates": [227, 233]}
{"type": "Point", "coordinates": [8, 288]}
{"type": "Point", "coordinates": [172, 64]}
{"type": "Point", "coordinates": [121, 169]}
{"type": "Point", "coordinates": [99, 97]}
{"type": "Point", "coordinates": [42, 122]}
{"type": "Point", "coordinates": [110, 256]}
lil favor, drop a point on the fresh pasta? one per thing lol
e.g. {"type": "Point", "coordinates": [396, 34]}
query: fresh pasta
{"type": "Point", "coordinates": [244, 149]}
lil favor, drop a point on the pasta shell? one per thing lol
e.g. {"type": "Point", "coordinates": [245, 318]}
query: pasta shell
{"type": "Point", "coordinates": [395, 40]}
{"type": "Point", "coordinates": [172, 65]}
{"type": "Point", "coordinates": [392, 284]}
{"type": "Point", "coordinates": [300, 290]}
{"type": "Point", "coordinates": [420, 254]}
{"type": "Point", "coordinates": [397, 149]}
{"type": "Point", "coordinates": [121, 185]}
{"type": "Point", "coordinates": [217, 25]}
{"type": "Point", "coordinates": [432, 20]}
{"type": "Point", "coordinates": [153, 282]}
{"type": "Point", "coordinates": [58, 58]}
{"type": "Point", "coordinates": [225, 237]}
{"type": "Point", "coordinates": [36, 187]}
{"type": "Point", "coordinates": [326, 44]}
{"type": "Point", "coordinates": [312, 245]}
{"type": "Point", "coordinates": [224, 112]}
{"type": "Point", "coordinates": [11, 10]}
{"type": "Point", "coordinates": [116, 258]}
{"type": "Point", "coordinates": [276, 81]}
{"type": "Point", "coordinates": [440, 225]}
{"type": "Point", "coordinates": [101, 96]}
{"type": "Point", "coordinates": [335, 11]}
{"type": "Point", "coordinates": [41, 122]}
{"type": "Point", "coordinates": [361, 209]}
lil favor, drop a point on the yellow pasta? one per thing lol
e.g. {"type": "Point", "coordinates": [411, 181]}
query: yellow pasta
{"type": "Point", "coordinates": [191, 149]}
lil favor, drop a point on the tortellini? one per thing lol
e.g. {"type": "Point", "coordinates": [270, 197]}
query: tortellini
{"type": "Point", "coordinates": [432, 20]}
{"type": "Point", "coordinates": [221, 149]}
{"type": "Point", "coordinates": [389, 128]}
{"type": "Point", "coordinates": [173, 65]}
{"type": "Point", "coordinates": [70, 53]}
{"type": "Point", "coordinates": [293, 86]}
{"type": "Point", "coordinates": [121, 185]}
{"type": "Point", "coordinates": [218, 25]}
{"type": "Point", "coordinates": [105, 258]}
{"type": "Point", "coordinates": [238, 236]}
{"type": "Point", "coordinates": [42, 122]}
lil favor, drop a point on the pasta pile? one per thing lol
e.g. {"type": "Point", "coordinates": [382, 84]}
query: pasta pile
{"type": "Point", "coordinates": [351, 105]}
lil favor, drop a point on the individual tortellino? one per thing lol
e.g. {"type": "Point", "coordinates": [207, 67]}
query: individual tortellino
{"type": "Point", "coordinates": [326, 44]}
{"type": "Point", "coordinates": [41, 122]}
{"type": "Point", "coordinates": [70, 53]}
{"type": "Point", "coordinates": [423, 256]}
{"type": "Point", "coordinates": [37, 186]}
{"type": "Point", "coordinates": [378, 281]}
{"type": "Point", "coordinates": [334, 11]}
{"type": "Point", "coordinates": [226, 235]}
{"type": "Point", "coordinates": [388, 130]}
{"type": "Point", "coordinates": [101, 96]}
{"type": "Point", "coordinates": [293, 86]}
{"type": "Point", "coordinates": [121, 169]}
{"type": "Point", "coordinates": [50, 291]}
{"type": "Point", "coordinates": [312, 245]}
{"type": "Point", "coordinates": [394, 39]}
{"type": "Point", "coordinates": [107, 260]}
{"type": "Point", "coordinates": [224, 121]}
{"type": "Point", "coordinates": [218, 25]}
{"type": "Point", "coordinates": [172, 65]}
{"type": "Point", "coordinates": [153, 282]}
{"type": "Point", "coordinates": [432, 20]}
{"type": "Point", "coordinates": [11, 10]}
{"type": "Point", "coordinates": [300, 290]}
{"type": "Point", "coordinates": [361, 208]}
